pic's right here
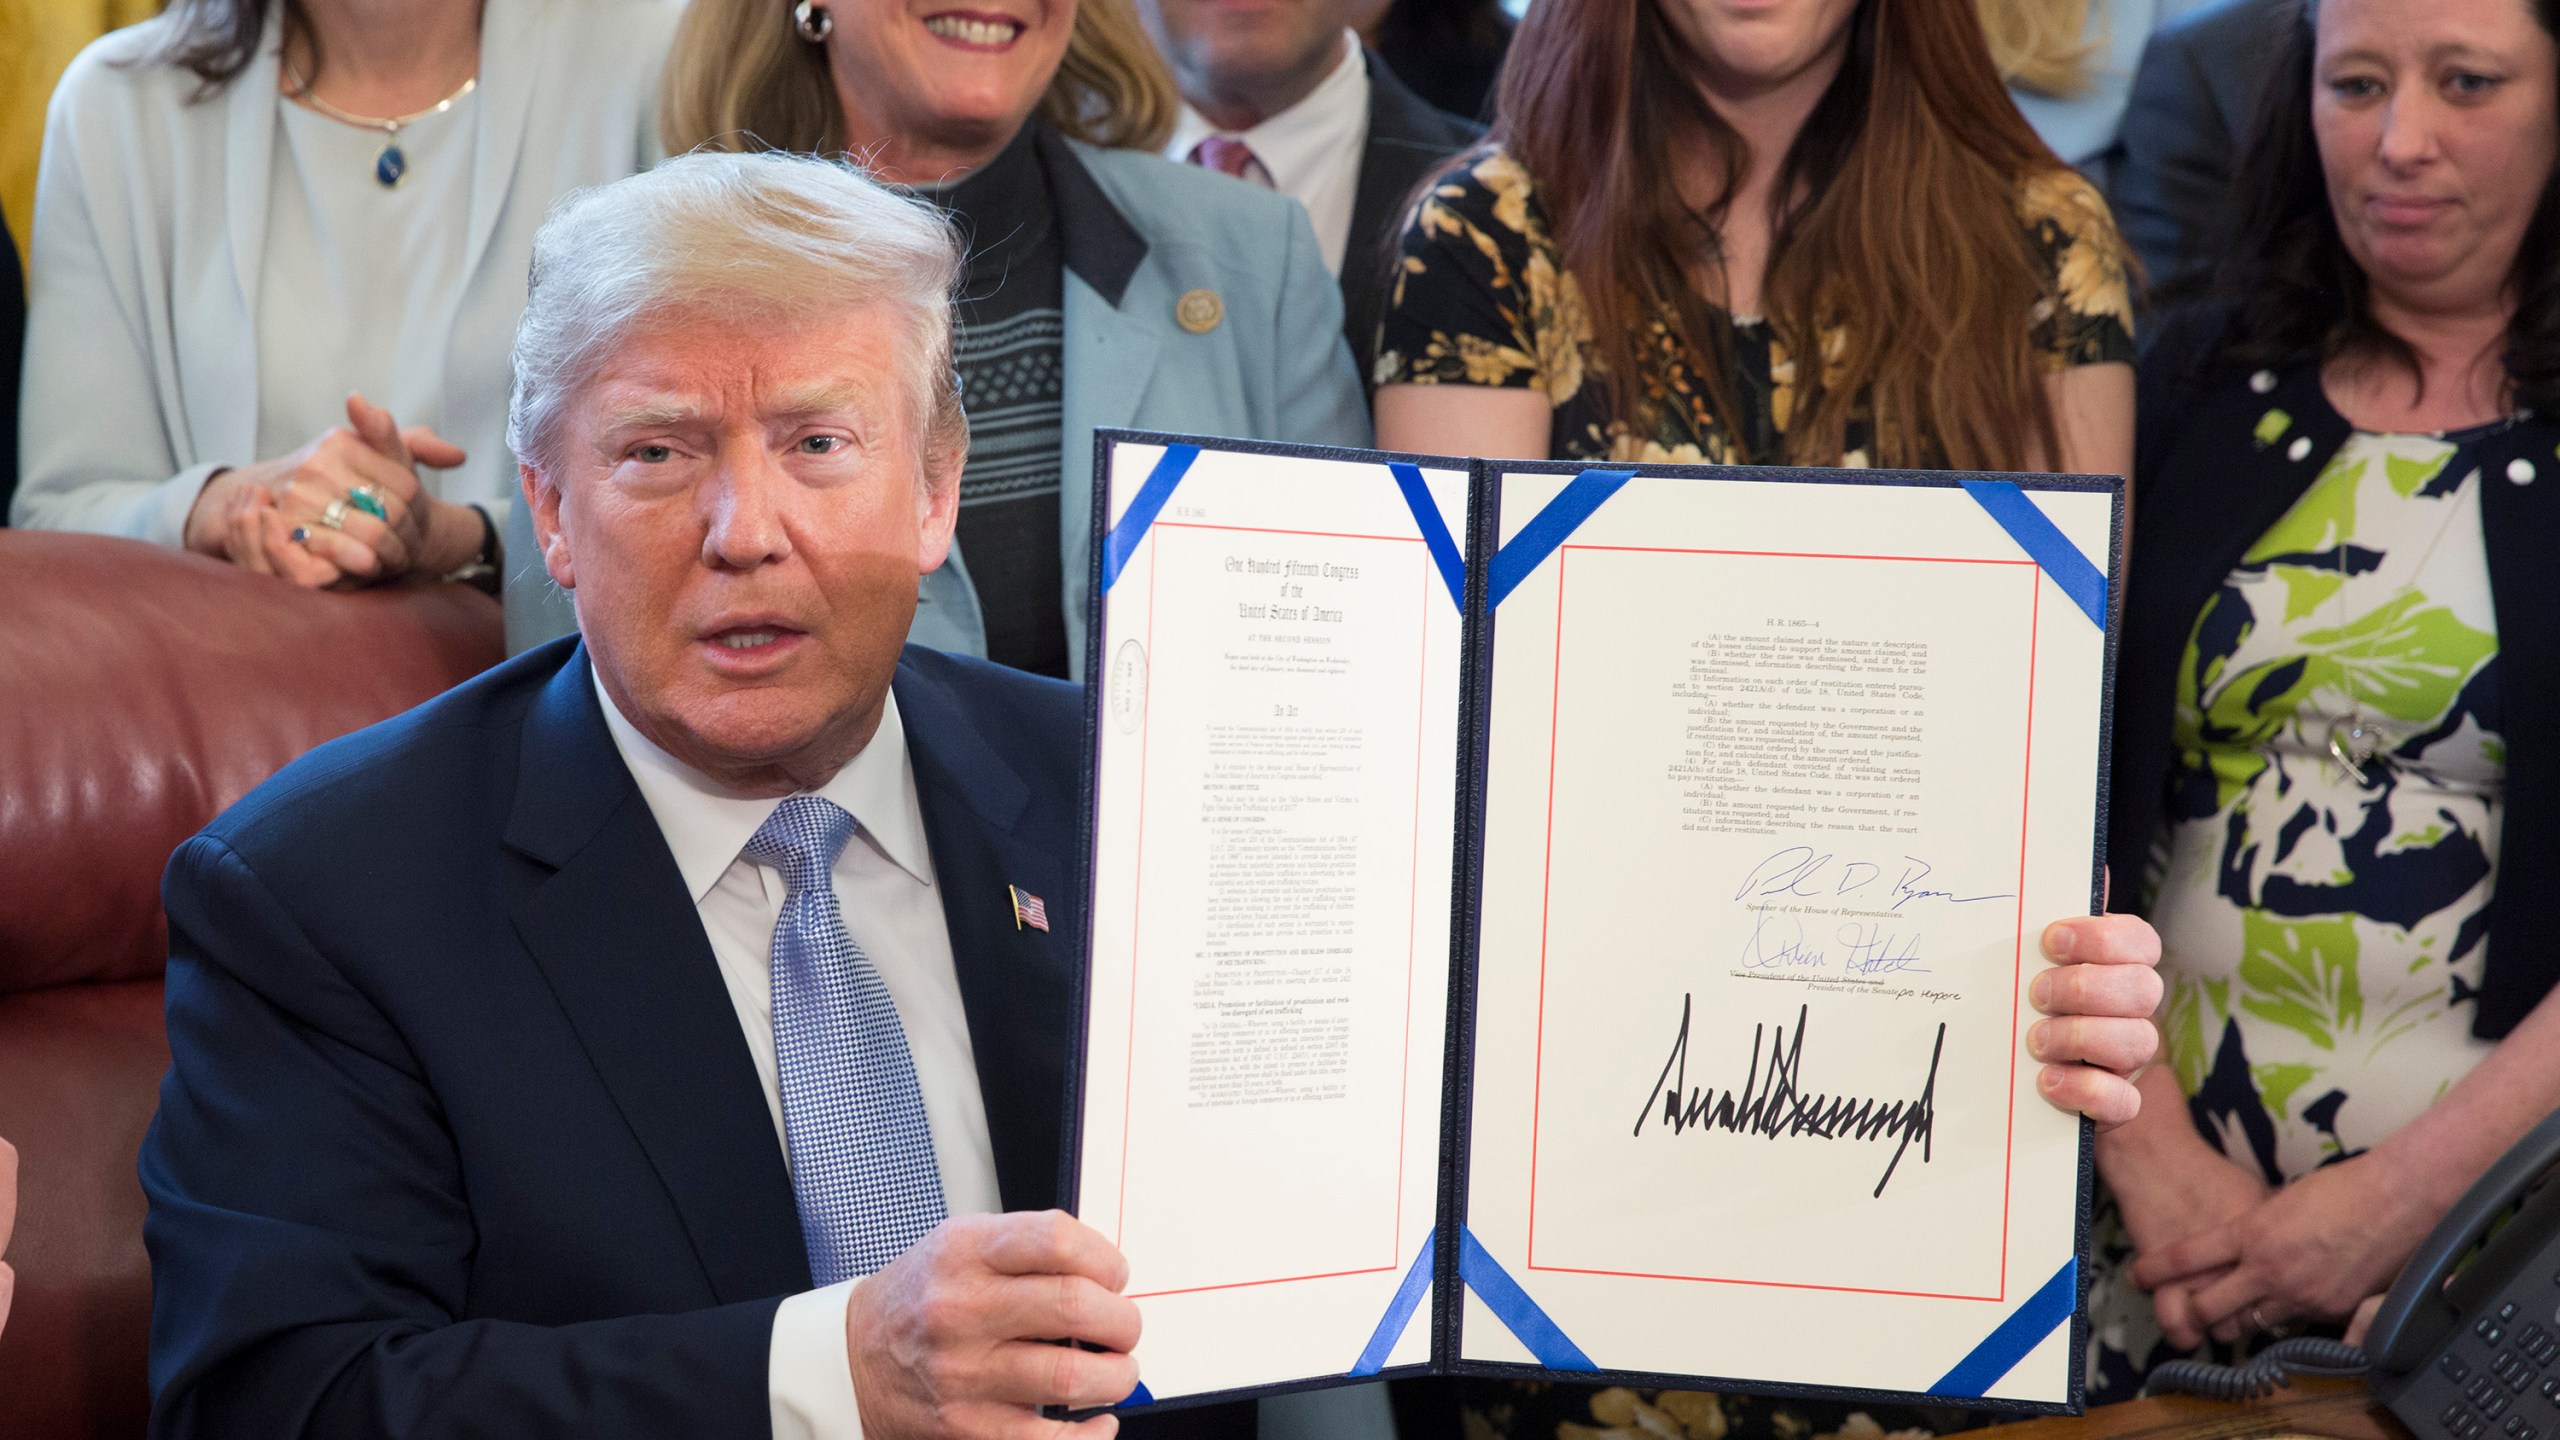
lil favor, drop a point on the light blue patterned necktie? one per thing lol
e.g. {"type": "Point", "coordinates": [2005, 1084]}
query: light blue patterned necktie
{"type": "Point", "coordinates": [862, 1164]}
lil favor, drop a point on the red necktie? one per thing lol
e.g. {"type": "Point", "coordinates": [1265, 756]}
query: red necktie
{"type": "Point", "coordinates": [1229, 156]}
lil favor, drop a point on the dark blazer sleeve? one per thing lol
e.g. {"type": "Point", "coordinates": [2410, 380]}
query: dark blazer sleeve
{"type": "Point", "coordinates": [1407, 142]}
{"type": "Point", "coordinates": [2174, 177]}
{"type": "Point", "coordinates": [310, 1226]}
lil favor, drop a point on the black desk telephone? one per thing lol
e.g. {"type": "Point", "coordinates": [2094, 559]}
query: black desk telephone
{"type": "Point", "coordinates": [2467, 1344]}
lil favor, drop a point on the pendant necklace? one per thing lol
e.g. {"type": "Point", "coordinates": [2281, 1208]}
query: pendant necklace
{"type": "Point", "coordinates": [2354, 741]}
{"type": "Point", "coordinates": [389, 163]}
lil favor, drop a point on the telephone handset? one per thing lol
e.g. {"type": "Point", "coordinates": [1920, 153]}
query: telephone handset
{"type": "Point", "coordinates": [2467, 1344]}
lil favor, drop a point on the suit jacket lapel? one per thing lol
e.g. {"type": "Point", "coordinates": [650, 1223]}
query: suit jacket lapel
{"type": "Point", "coordinates": [1407, 140]}
{"type": "Point", "coordinates": [222, 420]}
{"type": "Point", "coordinates": [248, 151]}
{"type": "Point", "coordinates": [1016, 982]}
{"type": "Point", "coordinates": [511, 57]}
{"type": "Point", "coordinates": [615, 933]}
{"type": "Point", "coordinates": [1109, 360]}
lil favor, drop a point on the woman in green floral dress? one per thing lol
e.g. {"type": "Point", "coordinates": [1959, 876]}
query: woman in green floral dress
{"type": "Point", "coordinates": [2334, 722]}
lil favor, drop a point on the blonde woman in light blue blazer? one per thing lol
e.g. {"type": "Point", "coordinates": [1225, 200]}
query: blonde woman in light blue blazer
{"type": "Point", "coordinates": [1186, 300]}
{"type": "Point", "coordinates": [249, 215]}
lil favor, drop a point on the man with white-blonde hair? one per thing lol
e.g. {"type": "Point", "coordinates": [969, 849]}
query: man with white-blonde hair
{"type": "Point", "coordinates": [647, 1038]}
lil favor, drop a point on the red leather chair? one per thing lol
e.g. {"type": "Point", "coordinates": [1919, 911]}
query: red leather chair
{"type": "Point", "coordinates": [141, 690]}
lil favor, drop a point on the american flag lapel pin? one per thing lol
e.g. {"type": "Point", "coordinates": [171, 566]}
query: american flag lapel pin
{"type": "Point", "coordinates": [1027, 909]}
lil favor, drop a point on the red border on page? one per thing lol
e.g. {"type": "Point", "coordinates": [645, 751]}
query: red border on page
{"type": "Point", "coordinates": [1395, 1252]}
{"type": "Point", "coordinates": [2017, 970]}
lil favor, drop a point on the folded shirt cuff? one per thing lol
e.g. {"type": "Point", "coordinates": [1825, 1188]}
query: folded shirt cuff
{"type": "Point", "coordinates": [808, 1377]}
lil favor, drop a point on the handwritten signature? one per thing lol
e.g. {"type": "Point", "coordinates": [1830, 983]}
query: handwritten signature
{"type": "Point", "coordinates": [1806, 873]}
{"type": "Point", "coordinates": [1774, 1105]}
{"type": "Point", "coordinates": [1778, 942]}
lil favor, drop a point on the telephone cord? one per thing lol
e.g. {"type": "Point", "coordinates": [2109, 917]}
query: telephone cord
{"type": "Point", "coordinates": [2264, 1373]}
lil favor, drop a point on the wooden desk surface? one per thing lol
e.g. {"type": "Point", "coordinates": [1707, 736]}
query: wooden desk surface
{"type": "Point", "coordinates": [2327, 1409]}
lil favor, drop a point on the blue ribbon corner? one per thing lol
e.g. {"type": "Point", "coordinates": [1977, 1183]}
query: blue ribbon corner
{"type": "Point", "coordinates": [1435, 531]}
{"type": "Point", "coordinates": [1549, 528]}
{"type": "Point", "coordinates": [1501, 1294]}
{"type": "Point", "coordinates": [1512, 1306]}
{"type": "Point", "coordinates": [1123, 540]}
{"type": "Point", "coordinates": [2044, 542]}
{"type": "Point", "coordinates": [2010, 1340]}
{"type": "Point", "coordinates": [1408, 1298]}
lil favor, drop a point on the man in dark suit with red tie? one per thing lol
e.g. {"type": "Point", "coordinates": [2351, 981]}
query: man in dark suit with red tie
{"type": "Point", "coordinates": [1285, 95]}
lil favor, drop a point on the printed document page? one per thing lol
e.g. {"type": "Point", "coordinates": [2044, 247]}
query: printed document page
{"type": "Point", "coordinates": [1276, 798]}
{"type": "Point", "coordinates": [1784, 780]}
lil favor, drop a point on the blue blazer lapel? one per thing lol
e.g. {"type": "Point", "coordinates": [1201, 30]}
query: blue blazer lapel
{"type": "Point", "coordinates": [615, 933]}
{"type": "Point", "coordinates": [1016, 982]}
{"type": "Point", "coordinates": [1109, 356]}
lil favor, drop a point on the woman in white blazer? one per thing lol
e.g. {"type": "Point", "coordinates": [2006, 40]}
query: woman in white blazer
{"type": "Point", "coordinates": [279, 254]}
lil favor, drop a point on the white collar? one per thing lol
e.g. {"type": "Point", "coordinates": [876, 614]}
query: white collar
{"type": "Point", "coordinates": [1333, 119]}
{"type": "Point", "coordinates": [708, 826]}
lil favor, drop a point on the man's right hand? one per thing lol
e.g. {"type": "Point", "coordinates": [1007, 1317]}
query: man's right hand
{"type": "Point", "coordinates": [956, 1337]}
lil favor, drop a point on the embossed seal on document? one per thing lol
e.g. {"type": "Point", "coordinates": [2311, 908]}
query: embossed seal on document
{"type": "Point", "coordinates": [1128, 685]}
{"type": "Point", "coordinates": [1199, 311]}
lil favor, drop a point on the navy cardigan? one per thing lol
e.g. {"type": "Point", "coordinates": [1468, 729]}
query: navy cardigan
{"type": "Point", "coordinates": [2207, 484]}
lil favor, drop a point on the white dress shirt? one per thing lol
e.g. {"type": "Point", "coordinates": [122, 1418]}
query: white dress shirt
{"type": "Point", "coordinates": [1312, 149]}
{"type": "Point", "coordinates": [885, 885]}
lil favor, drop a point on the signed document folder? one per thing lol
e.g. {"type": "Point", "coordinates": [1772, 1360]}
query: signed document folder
{"type": "Point", "coordinates": [1575, 923]}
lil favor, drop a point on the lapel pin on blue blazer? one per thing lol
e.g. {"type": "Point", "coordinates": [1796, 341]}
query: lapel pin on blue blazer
{"type": "Point", "coordinates": [1028, 909]}
{"type": "Point", "coordinates": [1199, 311]}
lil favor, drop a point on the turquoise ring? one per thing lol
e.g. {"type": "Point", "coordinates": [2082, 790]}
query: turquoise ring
{"type": "Point", "coordinates": [369, 500]}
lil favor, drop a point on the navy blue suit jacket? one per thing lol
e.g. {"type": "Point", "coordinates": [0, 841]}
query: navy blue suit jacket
{"type": "Point", "coordinates": [2195, 97]}
{"type": "Point", "coordinates": [460, 1134]}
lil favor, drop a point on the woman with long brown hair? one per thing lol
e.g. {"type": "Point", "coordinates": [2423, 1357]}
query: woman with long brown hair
{"type": "Point", "coordinates": [1786, 232]}
{"type": "Point", "coordinates": [1810, 232]}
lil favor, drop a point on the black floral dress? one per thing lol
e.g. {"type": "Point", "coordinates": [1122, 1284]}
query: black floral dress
{"type": "Point", "coordinates": [1481, 297]}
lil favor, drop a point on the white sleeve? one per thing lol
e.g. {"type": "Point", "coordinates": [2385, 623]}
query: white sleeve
{"type": "Point", "coordinates": [94, 451]}
{"type": "Point", "coordinates": [808, 1379]}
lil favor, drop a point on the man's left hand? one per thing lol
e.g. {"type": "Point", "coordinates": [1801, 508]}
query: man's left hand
{"type": "Point", "coordinates": [2101, 993]}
